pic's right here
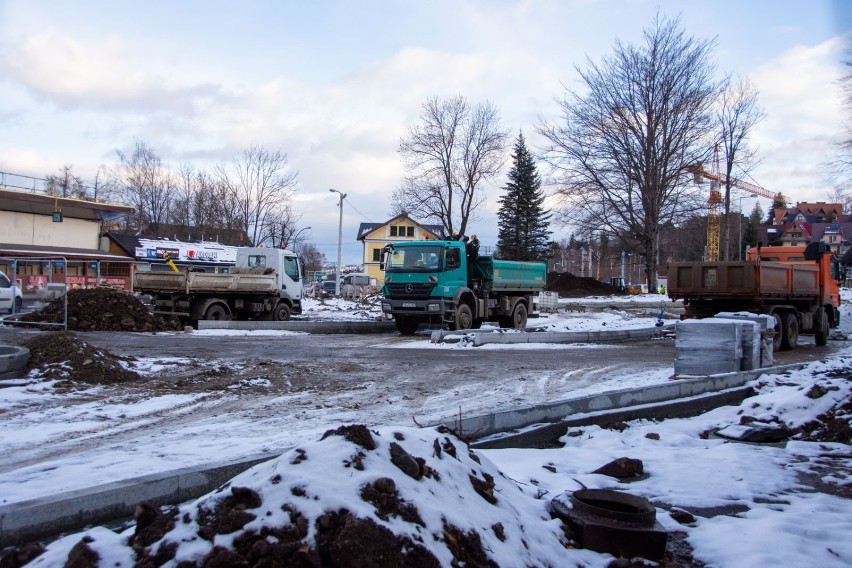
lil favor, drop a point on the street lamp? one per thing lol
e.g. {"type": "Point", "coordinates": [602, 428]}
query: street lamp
{"type": "Point", "coordinates": [339, 240]}
{"type": "Point", "coordinates": [296, 236]}
{"type": "Point", "coordinates": [740, 222]}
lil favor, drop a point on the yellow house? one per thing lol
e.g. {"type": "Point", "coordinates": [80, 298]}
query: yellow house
{"type": "Point", "coordinates": [401, 228]}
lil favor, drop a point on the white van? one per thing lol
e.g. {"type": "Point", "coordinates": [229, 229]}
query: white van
{"type": "Point", "coordinates": [355, 284]}
{"type": "Point", "coordinates": [11, 299]}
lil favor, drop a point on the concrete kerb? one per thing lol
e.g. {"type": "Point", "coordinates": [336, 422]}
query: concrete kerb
{"type": "Point", "coordinates": [354, 326]}
{"type": "Point", "coordinates": [31, 520]}
{"type": "Point", "coordinates": [533, 335]}
{"type": "Point", "coordinates": [40, 518]}
{"type": "Point", "coordinates": [530, 427]}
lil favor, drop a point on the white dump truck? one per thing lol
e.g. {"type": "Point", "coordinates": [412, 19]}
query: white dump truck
{"type": "Point", "coordinates": [265, 284]}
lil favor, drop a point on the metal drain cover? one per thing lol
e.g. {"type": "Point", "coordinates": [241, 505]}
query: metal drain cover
{"type": "Point", "coordinates": [610, 521]}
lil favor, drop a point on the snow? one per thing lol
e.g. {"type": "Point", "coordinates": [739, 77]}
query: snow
{"type": "Point", "coordinates": [752, 504]}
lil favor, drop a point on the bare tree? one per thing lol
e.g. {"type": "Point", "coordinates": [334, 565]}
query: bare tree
{"type": "Point", "coordinates": [104, 186]}
{"type": "Point", "coordinates": [259, 184]}
{"type": "Point", "coordinates": [314, 260]}
{"type": "Point", "coordinates": [147, 186]}
{"type": "Point", "coordinates": [282, 226]}
{"type": "Point", "coordinates": [737, 113]}
{"type": "Point", "coordinates": [620, 157]}
{"type": "Point", "coordinates": [448, 156]}
{"type": "Point", "coordinates": [841, 164]}
{"type": "Point", "coordinates": [65, 184]}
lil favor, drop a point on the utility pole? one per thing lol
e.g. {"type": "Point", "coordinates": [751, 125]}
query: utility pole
{"type": "Point", "coordinates": [339, 241]}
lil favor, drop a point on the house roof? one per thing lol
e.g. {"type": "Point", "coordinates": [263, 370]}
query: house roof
{"type": "Point", "coordinates": [365, 228]}
{"type": "Point", "coordinates": [40, 204]}
{"type": "Point", "coordinates": [813, 212]}
{"type": "Point", "coordinates": [38, 251]}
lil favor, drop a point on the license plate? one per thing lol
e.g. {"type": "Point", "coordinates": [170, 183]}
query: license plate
{"type": "Point", "coordinates": [408, 305]}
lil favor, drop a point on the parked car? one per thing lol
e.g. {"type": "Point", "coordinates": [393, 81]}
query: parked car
{"type": "Point", "coordinates": [11, 298]}
{"type": "Point", "coordinates": [328, 289]}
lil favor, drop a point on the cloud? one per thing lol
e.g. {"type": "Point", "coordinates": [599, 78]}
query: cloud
{"type": "Point", "coordinates": [99, 74]}
{"type": "Point", "coordinates": [800, 92]}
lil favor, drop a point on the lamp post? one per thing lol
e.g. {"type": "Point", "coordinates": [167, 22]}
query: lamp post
{"type": "Point", "coordinates": [740, 220]}
{"type": "Point", "coordinates": [339, 240]}
{"type": "Point", "coordinates": [296, 236]}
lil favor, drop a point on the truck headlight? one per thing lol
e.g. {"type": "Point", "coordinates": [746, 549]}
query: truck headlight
{"type": "Point", "coordinates": [386, 307]}
{"type": "Point", "coordinates": [433, 307]}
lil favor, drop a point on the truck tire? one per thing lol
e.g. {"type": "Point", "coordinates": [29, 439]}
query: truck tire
{"type": "Point", "coordinates": [217, 312]}
{"type": "Point", "coordinates": [519, 316]}
{"type": "Point", "coordinates": [281, 312]}
{"type": "Point", "coordinates": [790, 336]}
{"type": "Point", "coordinates": [821, 327]}
{"type": "Point", "coordinates": [406, 325]}
{"type": "Point", "coordinates": [19, 304]}
{"type": "Point", "coordinates": [464, 318]}
{"type": "Point", "coordinates": [778, 334]}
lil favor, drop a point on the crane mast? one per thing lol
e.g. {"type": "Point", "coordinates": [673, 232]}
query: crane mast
{"type": "Point", "coordinates": [714, 200]}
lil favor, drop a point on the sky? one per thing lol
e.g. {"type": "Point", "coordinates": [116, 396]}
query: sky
{"type": "Point", "coordinates": [685, 469]}
{"type": "Point", "coordinates": [336, 84]}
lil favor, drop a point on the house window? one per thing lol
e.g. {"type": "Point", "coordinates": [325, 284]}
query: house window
{"type": "Point", "coordinates": [393, 230]}
{"type": "Point", "coordinates": [377, 255]}
{"type": "Point", "coordinates": [410, 232]}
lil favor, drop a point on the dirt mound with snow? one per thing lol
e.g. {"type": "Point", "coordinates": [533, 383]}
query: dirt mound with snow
{"type": "Point", "coordinates": [569, 286]}
{"type": "Point", "coordinates": [102, 309]}
{"type": "Point", "coordinates": [358, 497]}
{"type": "Point", "coordinates": [64, 356]}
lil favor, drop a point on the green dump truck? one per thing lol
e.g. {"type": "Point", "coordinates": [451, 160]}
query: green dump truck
{"type": "Point", "coordinates": [448, 282]}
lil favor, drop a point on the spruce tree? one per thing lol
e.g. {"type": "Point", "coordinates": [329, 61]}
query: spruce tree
{"type": "Point", "coordinates": [522, 219]}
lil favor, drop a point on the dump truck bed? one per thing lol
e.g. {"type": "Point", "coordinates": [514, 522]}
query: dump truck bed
{"type": "Point", "coordinates": [748, 280]}
{"type": "Point", "coordinates": [205, 282]}
{"type": "Point", "coordinates": [509, 275]}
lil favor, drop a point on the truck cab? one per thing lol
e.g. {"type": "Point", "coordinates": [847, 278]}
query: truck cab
{"type": "Point", "coordinates": [284, 264]}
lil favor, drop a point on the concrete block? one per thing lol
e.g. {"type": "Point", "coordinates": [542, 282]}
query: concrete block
{"type": "Point", "coordinates": [13, 358]}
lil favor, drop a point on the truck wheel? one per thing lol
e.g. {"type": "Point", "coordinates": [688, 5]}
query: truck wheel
{"type": "Point", "coordinates": [519, 316]}
{"type": "Point", "coordinates": [464, 318]}
{"type": "Point", "coordinates": [216, 312]}
{"type": "Point", "coordinates": [406, 325]}
{"type": "Point", "coordinates": [791, 332]}
{"type": "Point", "coordinates": [778, 333]}
{"type": "Point", "coordinates": [281, 312]}
{"type": "Point", "coordinates": [821, 327]}
{"type": "Point", "coordinates": [19, 305]}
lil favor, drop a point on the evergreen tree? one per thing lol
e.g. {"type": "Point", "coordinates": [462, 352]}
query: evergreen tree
{"type": "Point", "coordinates": [522, 220]}
{"type": "Point", "coordinates": [778, 202]}
{"type": "Point", "coordinates": [752, 230]}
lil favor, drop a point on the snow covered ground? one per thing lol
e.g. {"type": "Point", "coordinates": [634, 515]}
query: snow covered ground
{"type": "Point", "coordinates": [773, 515]}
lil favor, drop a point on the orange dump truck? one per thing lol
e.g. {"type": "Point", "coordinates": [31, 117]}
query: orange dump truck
{"type": "Point", "coordinates": [798, 285]}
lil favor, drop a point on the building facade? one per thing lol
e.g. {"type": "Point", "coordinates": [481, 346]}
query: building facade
{"type": "Point", "coordinates": [374, 237]}
{"type": "Point", "coordinates": [46, 240]}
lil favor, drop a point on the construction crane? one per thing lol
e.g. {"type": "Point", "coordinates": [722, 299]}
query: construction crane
{"type": "Point", "coordinates": [714, 200]}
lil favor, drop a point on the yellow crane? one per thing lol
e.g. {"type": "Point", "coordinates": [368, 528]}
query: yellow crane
{"type": "Point", "coordinates": [714, 200]}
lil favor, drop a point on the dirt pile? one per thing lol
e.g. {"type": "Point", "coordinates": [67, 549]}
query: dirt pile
{"type": "Point", "coordinates": [102, 309]}
{"type": "Point", "coordinates": [62, 355]}
{"type": "Point", "coordinates": [358, 497]}
{"type": "Point", "coordinates": [569, 286]}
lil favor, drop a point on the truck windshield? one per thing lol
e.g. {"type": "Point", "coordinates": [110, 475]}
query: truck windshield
{"type": "Point", "coordinates": [418, 258]}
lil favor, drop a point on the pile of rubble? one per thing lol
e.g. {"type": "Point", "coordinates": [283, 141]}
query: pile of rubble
{"type": "Point", "coordinates": [570, 286]}
{"type": "Point", "coordinates": [63, 356]}
{"type": "Point", "coordinates": [102, 309]}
